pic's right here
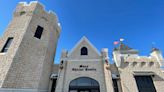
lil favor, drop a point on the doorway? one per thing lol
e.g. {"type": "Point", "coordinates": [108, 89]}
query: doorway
{"type": "Point", "coordinates": [145, 84]}
{"type": "Point", "coordinates": [53, 85]}
{"type": "Point", "coordinates": [84, 84]}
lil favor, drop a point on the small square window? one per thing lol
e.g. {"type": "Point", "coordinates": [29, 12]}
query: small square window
{"type": "Point", "coordinates": [39, 32]}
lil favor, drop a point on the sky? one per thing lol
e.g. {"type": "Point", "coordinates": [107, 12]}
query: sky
{"type": "Point", "coordinates": [139, 22]}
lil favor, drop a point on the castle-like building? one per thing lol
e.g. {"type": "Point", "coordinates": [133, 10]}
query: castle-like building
{"type": "Point", "coordinates": [27, 51]}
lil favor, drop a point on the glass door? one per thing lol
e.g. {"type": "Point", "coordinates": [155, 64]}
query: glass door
{"type": "Point", "coordinates": [83, 91]}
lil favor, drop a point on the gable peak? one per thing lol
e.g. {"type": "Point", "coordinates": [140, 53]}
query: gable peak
{"type": "Point", "coordinates": [85, 39]}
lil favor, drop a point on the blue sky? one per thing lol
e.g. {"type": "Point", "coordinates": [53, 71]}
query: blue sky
{"type": "Point", "coordinates": [139, 22]}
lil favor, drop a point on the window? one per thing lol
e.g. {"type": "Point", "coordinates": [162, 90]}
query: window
{"type": "Point", "coordinates": [7, 44]}
{"type": "Point", "coordinates": [115, 85]}
{"type": "Point", "coordinates": [145, 84]}
{"type": "Point", "coordinates": [84, 51]}
{"type": "Point", "coordinates": [39, 32]}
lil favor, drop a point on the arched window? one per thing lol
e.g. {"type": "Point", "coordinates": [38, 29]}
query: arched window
{"type": "Point", "coordinates": [84, 84]}
{"type": "Point", "coordinates": [84, 51]}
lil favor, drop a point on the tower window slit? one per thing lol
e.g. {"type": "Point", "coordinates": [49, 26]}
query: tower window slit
{"type": "Point", "coordinates": [7, 45]}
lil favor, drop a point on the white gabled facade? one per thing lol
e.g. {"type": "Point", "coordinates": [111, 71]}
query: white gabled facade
{"type": "Point", "coordinates": [124, 75]}
{"type": "Point", "coordinates": [76, 65]}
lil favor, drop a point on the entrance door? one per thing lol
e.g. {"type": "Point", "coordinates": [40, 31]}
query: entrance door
{"type": "Point", "coordinates": [83, 91]}
{"type": "Point", "coordinates": [53, 85]}
{"type": "Point", "coordinates": [84, 84]}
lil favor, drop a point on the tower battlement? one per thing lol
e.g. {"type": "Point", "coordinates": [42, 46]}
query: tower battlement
{"type": "Point", "coordinates": [34, 8]}
{"type": "Point", "coordinates": [125, 54]}
{"type": "Point", "coordinates": [28, 4]}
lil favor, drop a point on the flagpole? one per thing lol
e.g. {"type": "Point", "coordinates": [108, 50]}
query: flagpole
{"type": "Point", "coordinates": [115, 43]}
{"type": "Point", "coordinates": [121, 40]}
{"type": "Point", "coordinates": [153, 45]}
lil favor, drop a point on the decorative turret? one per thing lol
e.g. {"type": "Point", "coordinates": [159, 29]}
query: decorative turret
{"type": "Point", "coordinates": [64, 54]}
{"type": "Point", "coordinates": [124, 49]}
{"type": "Point", "coordinates": [158, 55]}
{"type": "Point", "coordinates": [121, 52]}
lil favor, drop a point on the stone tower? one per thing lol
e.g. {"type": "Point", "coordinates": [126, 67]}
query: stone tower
{"type": "Point", "coordinates": [27, 49]}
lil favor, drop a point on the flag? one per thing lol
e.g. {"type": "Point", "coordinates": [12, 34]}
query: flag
{"type": "Point", "coordinates": [122, 39]}
{"type": "Point", "coordinates": [116, 42]}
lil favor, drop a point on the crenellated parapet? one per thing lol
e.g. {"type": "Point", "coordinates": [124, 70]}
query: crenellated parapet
{"type": "Point", "coordinates": [126, 56]}
{"type": "Point", "coordinates": [141, 61]}
{"type": "Point", "coordinates": [34, 8]}
{"type": "Point", "coordinates": [142, 64]}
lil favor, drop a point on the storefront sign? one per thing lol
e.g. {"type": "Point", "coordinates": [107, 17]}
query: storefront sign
{"type": "Point", "coordinates": [83, 68]}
